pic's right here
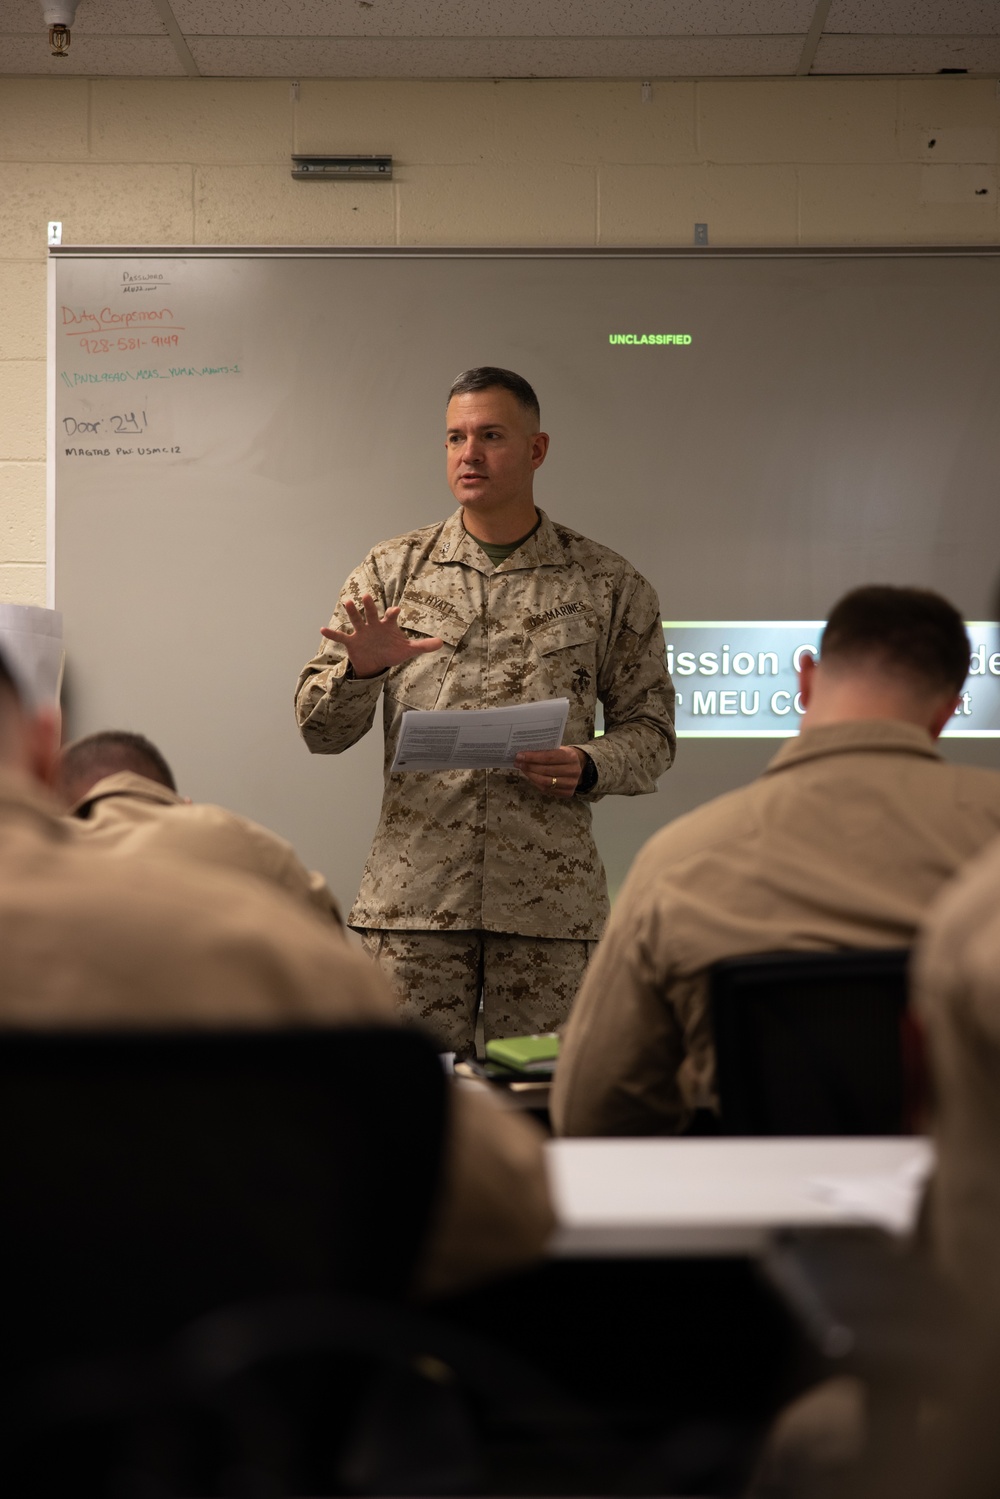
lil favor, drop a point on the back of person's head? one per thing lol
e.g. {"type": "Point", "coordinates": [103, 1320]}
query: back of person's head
{"type": "Point", "coordinates": [89, 760]}
{"type": "Point", "coordinates": [909, 636]}
{"type": "Point", "coordinates": [492, 377]}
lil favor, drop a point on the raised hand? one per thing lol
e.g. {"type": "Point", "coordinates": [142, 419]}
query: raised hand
{"type": "Point", "coordinates": [376, 642]}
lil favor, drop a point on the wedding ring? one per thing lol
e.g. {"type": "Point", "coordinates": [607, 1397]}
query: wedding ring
{"type": "Point", "coordinates": [555, 780]}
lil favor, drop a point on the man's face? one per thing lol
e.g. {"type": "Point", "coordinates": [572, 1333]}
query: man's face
{"type": "Point", "coordinates": [493, 450]}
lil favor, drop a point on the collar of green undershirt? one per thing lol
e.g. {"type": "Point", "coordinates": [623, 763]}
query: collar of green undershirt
{"type": "Point", "coordinates": [499, 551]}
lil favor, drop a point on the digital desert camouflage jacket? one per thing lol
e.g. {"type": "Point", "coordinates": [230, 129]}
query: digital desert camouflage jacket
{"type": "Point", "coordinates": [561, 617]}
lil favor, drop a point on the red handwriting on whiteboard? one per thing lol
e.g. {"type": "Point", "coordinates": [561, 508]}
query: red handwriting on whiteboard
{"type": "Point", "coordinates": [74, 322]}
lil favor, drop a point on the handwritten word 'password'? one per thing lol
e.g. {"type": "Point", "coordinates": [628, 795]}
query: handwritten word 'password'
{"type": "Point", "coordinates": [93, 322]}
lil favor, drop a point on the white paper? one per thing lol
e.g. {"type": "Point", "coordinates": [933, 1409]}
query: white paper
{"type": "Point", "coordinates": [478, 738]}
{"type": "Point", "coordinates": [32, 646]}
{"type": "Point", "coordinates": [889, 1199]}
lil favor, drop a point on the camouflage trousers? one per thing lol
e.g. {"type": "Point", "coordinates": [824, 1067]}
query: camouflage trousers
{"type": "Point", "coordinates": [526, 984]}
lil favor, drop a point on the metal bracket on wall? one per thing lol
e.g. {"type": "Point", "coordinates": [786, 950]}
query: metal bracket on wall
{"type": "Point", "coordinates": [342, 168]}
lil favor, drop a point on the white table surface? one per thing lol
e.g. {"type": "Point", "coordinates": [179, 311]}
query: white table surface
{"type": "Point", "coordinates": [662, 1197]}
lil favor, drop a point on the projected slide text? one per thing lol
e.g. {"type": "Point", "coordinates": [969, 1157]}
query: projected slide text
{"type": "Point", "coordinates": [738, 679]}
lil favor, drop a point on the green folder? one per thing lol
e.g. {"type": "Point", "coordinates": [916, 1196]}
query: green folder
{"type": "Point", "coordinates": [530, 1055]}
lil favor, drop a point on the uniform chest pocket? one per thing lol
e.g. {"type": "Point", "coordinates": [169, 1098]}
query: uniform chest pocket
{"type": "Point", "coordinates": [567, 652]}
{"type": "Point", "coordinates": [418, 683]}
{"type": "Point", "coordinates": [576, 630]}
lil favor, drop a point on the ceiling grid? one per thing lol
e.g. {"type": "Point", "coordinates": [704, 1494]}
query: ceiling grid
{"type": "Point", "coordinates": [483, 39]}
{"type": "Point", "coordinates": [181, 47]}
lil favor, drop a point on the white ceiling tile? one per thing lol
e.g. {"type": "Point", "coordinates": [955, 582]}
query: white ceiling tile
{"type": "Point", "coordinates": [94, 18]}
{"type": "Point", "coordinates": [491, 18]}
{"type": "Point", "coordinates": [303, 57]}
{"type": "Point", "coordinates": [509, 38]}
{"type": "Point", "coordinates": [907, 54]}
{"type": "Point", "coordinates": [914, 17]}
{"type": "Point", "coordinates": [96, 56]}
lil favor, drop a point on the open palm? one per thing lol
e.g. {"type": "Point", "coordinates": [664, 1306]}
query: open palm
{"type": "Point", "coordinates": [376, 642]}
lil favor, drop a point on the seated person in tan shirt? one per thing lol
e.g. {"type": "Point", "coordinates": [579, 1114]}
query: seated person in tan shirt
{"type": "Point", "coordinates": [957, 985]}
{"type": "Point", "coordinates": [92, 940]}
{"type": "Point", "coordinates": [844, 841]}
{"type": "Point", "coordinates": [958, 994]}
{"type": "Point", "coordinates": [123, 797]}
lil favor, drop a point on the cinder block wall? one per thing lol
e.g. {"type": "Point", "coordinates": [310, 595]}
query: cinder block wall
{"type": "Point", "coordinates": [798, 162]}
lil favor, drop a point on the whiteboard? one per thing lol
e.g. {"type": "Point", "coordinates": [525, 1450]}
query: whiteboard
{"type": "Point", "coordinates": [230, 431]}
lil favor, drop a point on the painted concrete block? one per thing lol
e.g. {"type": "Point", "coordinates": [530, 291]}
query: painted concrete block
{"type": "Point", "coordinates": [594, 122]}
{"type": "Point", "coordinates": [98, 205]}
{"type": "Point", "coordinates": [857, 205]}
{"type": "Point", "coordinates": [950, 143]}
{"type": "Point", "coordinates": [22, 512]}
{"type": "Point", "coordinates": [43, 119]}
{"type": "Point", "coordinates": [969, 103]}
{"type": "Point", "coordinates": [807, 119]}
{"type": "Point", "coordinates": [547, 205]}
{"type": "Point", "coordinates": [22, 409]}
{"type": "Point", "coordinates": [971, 186]}
{"type": "Point", "coordinates": [191, 120]}
{"type": "Point", "coordinates": [427, 123]}
{"type": "Point", "coordinates": [249, 205]}
{"type": "Point", "coordinates": [22, 583]}
{"type": "Point", "coordinates": [742, 205]}
{"type": "Point", "coordinates": [22, 309]}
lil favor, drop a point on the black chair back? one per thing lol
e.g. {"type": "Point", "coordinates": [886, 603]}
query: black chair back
{"type": "Point", "coordinates": [149, 1177]}
{"type": "Point", "coordinates": [813, 1043]}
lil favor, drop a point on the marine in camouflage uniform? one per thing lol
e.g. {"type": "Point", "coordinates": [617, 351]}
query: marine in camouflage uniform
{"type": "Point", "coordinates": [481, 882]}
{"type": "Point", "coordinates": [481, 851]}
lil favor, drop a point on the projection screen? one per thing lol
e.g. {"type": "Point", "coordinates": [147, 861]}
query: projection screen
{"type": "Point", "coordinates": [232, 430]}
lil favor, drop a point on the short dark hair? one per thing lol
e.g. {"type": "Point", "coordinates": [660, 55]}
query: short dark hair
{"type": "Point", "coordinates": [89, 760]}
{"type": "Point", "coordinates": [488, 377]}
{"type": "Point", "coordinates": [906, 631]}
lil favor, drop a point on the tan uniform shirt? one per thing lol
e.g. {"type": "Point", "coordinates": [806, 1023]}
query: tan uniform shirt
{"type": "Point", "coordinates": [89, 939]}
{"type": "Point", "coordinates": [129, 814]}
{"type": "Point", "coordinates": [843, 842]}
{"type": "Point", "coordinates": [958, 993]}
{"type": "Point", "coordinates": [561, 617]}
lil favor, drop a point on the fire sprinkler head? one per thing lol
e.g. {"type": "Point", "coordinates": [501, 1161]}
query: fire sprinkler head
{"type": "Point", "coordinates": [59, 16]}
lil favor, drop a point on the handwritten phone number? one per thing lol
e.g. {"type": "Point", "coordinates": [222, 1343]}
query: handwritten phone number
{"type": "Point", "coordinates": [129, 345]}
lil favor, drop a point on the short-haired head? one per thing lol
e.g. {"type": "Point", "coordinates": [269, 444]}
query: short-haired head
{"type": "Point", "coordinates": [89, 760]}
{"type": "Point", "coordinates": [909, 634]}
{"type": "Point", "coordinates": [492, 377]}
